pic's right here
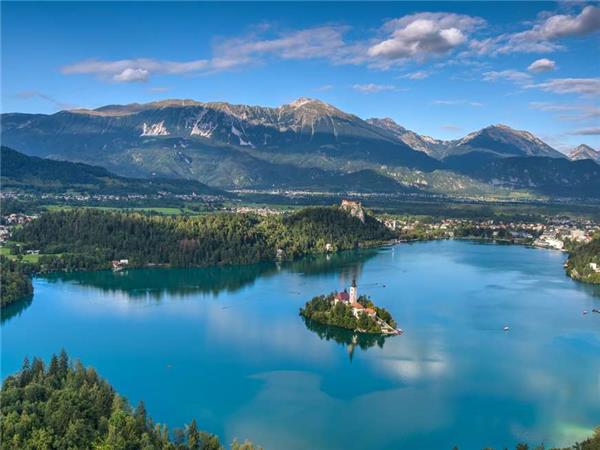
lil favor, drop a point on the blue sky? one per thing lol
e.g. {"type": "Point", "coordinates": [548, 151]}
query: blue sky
{"type": "Point", "coordinates": [442, 69]}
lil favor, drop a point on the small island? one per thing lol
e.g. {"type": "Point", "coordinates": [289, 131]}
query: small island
{"type": "Point", "coordinates": [351, 311]}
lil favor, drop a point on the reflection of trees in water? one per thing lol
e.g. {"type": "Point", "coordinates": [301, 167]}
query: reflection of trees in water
{"type": "Point", "coordinates": [157, 283]}
{"type": "Point", "coordinates": [345, 337]}
{"type": "Point", "coordinates": [589, 289]}
{"type": "Point", "coordinates": [15, 309]}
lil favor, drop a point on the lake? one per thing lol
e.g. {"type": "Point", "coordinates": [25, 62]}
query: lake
{"type": "Point", "coordinates": [226, 346]}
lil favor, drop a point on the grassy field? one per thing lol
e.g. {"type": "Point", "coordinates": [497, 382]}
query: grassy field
{"type": "Point", "coordinates": [5, 251]}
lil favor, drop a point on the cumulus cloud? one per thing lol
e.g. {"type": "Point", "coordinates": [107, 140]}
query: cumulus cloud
{"type": "Point", "coordinates": [542, 65]}
{"type": "Point", "coordinates": [582, 86]}
{"type": "Point", "coordinates": [131, 75]}
{"type": "Point", "coordinates": [372, 88]}
{"type": "Point", "coordinates": [559, 26]}
{"type": "Point", "coordinates": [422, 35]}
{"type": "Point", "coordinates": [593, 131]}
{"type": "Point", "coordinates": [509, 75]}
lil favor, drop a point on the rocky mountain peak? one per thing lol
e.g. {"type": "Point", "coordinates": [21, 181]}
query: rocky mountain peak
{"type": "Point", "coordinates": [584, 151]}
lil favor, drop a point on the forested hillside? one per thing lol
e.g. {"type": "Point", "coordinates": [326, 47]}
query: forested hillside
{"type": "Point", "coordinates": [90, 239]}
{"type": "Point", "coordinates": [30, 173]}
{"type": "Point", "coordinates": [69, 406]}
{"type": "Point", "coordinates": [580, 264]}
{"type": "Point", "coordinates": [15, 284]}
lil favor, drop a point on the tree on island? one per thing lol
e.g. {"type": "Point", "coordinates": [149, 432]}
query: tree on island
{"type": "Point", "coordinates": [326, 310]}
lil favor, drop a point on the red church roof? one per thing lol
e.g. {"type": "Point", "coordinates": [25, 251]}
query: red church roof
{"type": "Point", "coordinates": [343, 296]}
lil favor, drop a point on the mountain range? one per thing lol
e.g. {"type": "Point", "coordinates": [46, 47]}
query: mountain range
{"type": "Point", "coordinates": [306, 144]}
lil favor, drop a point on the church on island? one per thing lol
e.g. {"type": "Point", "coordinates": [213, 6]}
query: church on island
{"type": "Point", "coordinates": [351, 299]}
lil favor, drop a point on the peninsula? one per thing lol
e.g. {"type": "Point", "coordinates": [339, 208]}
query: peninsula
{"type": "Point", "coordinates": [349, 310]}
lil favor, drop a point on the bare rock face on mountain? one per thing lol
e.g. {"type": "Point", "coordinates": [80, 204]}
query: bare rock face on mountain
{"type": "Point", "coordinates": [305, 144]}
{"type": "Point", "coordinates": [353, 208]}
{"type": "Point", "coordinates": [584, 152]}
{"type": "Point", "coordinates": [435, 148]}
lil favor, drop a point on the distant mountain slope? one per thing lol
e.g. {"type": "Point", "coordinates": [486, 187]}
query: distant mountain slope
{"type": "Point", "coordinates": [302, 127]}
{"type": "Point", "coordinates": [551, 176]}
{"type": "Point", "coordinates": [306, 144]}
{"type": "Point", "coordinates": [502, 140]}
{"type": "Point", "coordinates": [433, 147]}
{"type": "Point", "coordinates": [498, 140]}
{"type": "Point", "coordinates": [31, 173]}
{"type": "Point", "coordinates": [584, 152]}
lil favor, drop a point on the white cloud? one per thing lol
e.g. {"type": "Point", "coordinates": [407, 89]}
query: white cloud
{"type": "Point", "coordinates": [542, 65]}
{"type": "Point", "coordinates": [372, 88]}
{"type": "Point", "coordinates": [130, 75]}
{"type": "Point", "coordinates": [447, 102]}
{"type": "Point", "coordinates": [311, 43]}
{"type": "Point", "coordinates": [128, 70]}
{"type": "Point", "coordinates": [456, 102]}
{"type": "Point", "coordinates": [324, 87]}
{"type": "Point", "coordinates": [509, 75]}
{"type": "Point", "coordinates": [593, 131]}
{"type": "Point", "coordinates": [421, 35]}
{"type": "Point", "coordinates": [419, 75]}
{"type": "Point", "coordinates": [582, 86]}
{"type": "Point", "coordinates": [568, 111]}
{"type": "Point", "coordinates": [559, 26]}
{"type": "Point", "coordinates": [542, 36]}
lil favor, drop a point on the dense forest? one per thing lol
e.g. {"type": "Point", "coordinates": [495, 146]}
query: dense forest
{"type": "Point", "coordinates": [15, 283]}
{"type": "Point", "coordinates": [322, 310]}
{"type": "Point", "coordinates": [68, 406]}
{"type": "Point", "coordinates": [92, 238]}
{"type": "Point", "coordinates": [582, 259]}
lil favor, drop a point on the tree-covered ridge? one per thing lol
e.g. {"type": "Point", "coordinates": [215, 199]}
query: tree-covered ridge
{"type": "Point", "coordinates": [69, 406]}
{"type": "Point", "coordinates": [584, 262]}
{"type": "Point", "coordinates": [15, 284]}
{"type": "Point", "coordinates": [91, 238]}
{"type": "Point", "coordinates": [325, 310]}
{"type": "Point", "coordinates": [30, 173]}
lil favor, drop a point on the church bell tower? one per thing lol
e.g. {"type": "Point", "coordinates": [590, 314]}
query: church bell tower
{"type": "Point", "coordinates": [353, 292]}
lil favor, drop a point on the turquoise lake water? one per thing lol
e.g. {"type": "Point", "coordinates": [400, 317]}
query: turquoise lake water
{"type": "Point", "coordinates": [226, 346]}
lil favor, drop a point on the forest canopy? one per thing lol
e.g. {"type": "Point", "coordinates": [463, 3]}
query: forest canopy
{"type": "Point", "coordinates": [68, 406]}
{"type": "Point", "coordinates": [92, 238]}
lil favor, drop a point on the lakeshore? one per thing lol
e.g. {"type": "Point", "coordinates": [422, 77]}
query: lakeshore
{"type": "Point", "coordinates": [236, 346]}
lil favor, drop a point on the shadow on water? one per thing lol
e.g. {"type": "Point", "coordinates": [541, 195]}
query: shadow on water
{"type": "Point", "coordinates": [15, 309]}
{"type": "Point", "coordinates": [345, 337]}
{"type": "Point", "coordinates": [590, 289]}
{"type": "Point", "coordinates": [157, 283]}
